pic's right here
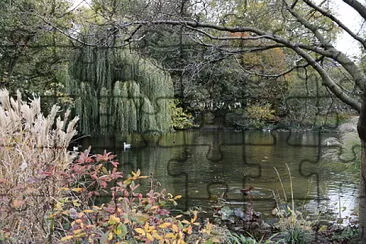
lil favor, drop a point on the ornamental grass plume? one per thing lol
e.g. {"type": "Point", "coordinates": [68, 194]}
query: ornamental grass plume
{"type": "Point", "coordinates": [33, 159]}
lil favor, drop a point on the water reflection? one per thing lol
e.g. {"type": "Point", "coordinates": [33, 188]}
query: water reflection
{"type": "Point", "coordinates": [206, 164]}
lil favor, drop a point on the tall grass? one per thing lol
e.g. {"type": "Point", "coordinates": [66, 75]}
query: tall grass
{"type": "Point", "coordinates": [292, 225]}
{"type": "Point", "coordinates": [33, 158]}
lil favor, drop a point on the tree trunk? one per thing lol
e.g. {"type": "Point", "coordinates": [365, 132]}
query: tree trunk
{"type": "Point", "coordinates": [362, 194]}
{"type": "Point", "coordinates": [361, 127]}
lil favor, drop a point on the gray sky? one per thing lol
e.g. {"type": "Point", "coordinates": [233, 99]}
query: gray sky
{"type": "Point", "coordinates": [352, 20]}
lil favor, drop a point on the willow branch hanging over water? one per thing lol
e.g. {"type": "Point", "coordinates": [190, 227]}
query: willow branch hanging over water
{"type": "Point", "coordinates": [117, 92]}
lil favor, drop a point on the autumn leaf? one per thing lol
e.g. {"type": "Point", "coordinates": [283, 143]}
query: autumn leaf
{"type": "Point", "coordinates": [113, 220]}
{"type": "Point", "coordinates": [177, 197]}
{"type": "Point", "coordinates": [114, 163]}
{"type": "Point", "coordinates": [66, 238]}
{"type": "Point", "coordinates": [110, 236]}
{"type": "Point", "coordinates": [157, 236]}
{"type": "Point", "coordinates": [85, 158]}
{"type": "Point", "coordinates": [170, 236]}
{"type": "Point", "coordinates": [88, 211]}
{"type": "Point", "coordinates": [149, 237]}
{"type": "Point", "coordinates": [104, 157]}
{"type": "Point", "coordinates": [140, 231]}
{"type": "Point", "coordinates": [175, 228]}
{"type": "Point", "coordinates": [77, 189]}
{"type": "Point", "coordinates": [164, 225]}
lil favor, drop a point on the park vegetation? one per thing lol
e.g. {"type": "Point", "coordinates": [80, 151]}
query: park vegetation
{"type": "Point", "coordinates": [151, 67]}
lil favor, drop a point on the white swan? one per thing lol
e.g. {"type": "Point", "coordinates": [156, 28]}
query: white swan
{"type": "Point", "coordinates": [126, 146]}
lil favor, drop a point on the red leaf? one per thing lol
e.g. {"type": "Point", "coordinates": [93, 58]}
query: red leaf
{"type": "Point", "coordinates": [114, 163]}
{"type": "Point", "coordinates": [105, 157]}
{"type": "Point", "coordinates": [85, 158]}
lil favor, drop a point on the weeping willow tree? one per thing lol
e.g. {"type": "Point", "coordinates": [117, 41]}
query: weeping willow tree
{"type": "Point", "coordinates": [117, 92]}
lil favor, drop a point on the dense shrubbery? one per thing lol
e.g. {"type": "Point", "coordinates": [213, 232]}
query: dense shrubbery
{"type": "Point", "coordinates": [127, 214]}
{"type": "Point", "coordinates": [180, 119]}
{"type": "Point", "coordinates": [259, 115]}
{"type": "Point", "coordinates": [50, 195]}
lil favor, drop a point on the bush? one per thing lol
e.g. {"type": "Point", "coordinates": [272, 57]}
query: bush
{"type": "Point", "coordinates": [180, 119]}
{"type": "Point", "coordinates": [50, 196]}
{"type": "Point", "coordinates": [259, 115]}
{"type": "Point", "coordinates": [127, 214]}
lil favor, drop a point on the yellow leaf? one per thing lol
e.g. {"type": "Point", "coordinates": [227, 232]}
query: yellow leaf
{"type": "Point", "coordinates": [140, 231]}
{"type": "Point", "coordinates": [188, 230]}
{"type": "Point", "coordinates": [157, 236]}
{"type": "Point", "coordinates": [77, 231]}
{"type": "Point", "coordinates": [77, 189]}
{"type": "Point", "coordinates": [113, 220]}
{"type": "Point", "coordinates": [66, 238]}
{"type": "Point", "coordinates": [177, 197]}
{"type": "Point", "coordinates": [88, 211]}
{"type": "Point", "coordinates": [175, 228]}
{"type": "Point", "coordinates": [149, 237]}
{"type": "Point", "coordinates": [164, 225]}
{"type": "Point", "coordinates": [110, 236]}
{"type": "Point", "coordinates": [118, 232]}
{"type": "Point", "coordinates": [323, 228]}
{"type": "Point", "coordinates": [80, 235]}
{"type": "Point", "coordinates": [178, 216]}
{"type": "Point", "coordinates": [170, 236]}
{"type": "Point", "coordinates": [97, 208]}
{"type": "Point", "coordinates": [185, 221]}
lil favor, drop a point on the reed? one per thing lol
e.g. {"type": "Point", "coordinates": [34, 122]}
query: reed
{"type": "Point", "coordinates": [33, 159]}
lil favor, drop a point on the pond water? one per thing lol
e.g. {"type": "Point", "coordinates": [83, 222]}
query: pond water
{"type": "Point", "coordinates": [206, 164]}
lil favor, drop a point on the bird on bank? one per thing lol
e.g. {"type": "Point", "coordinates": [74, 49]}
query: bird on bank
{"type": "Point", "coordinates": [76, 148]}
{"type": "Point", "coordinates": [126, 146]}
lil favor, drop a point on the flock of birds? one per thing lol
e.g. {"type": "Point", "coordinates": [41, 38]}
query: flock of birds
{"type": "Point", "coordinates": [126, 146]}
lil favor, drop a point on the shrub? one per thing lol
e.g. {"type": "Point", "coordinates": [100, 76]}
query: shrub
{"type": "Point", "coordinates": [126, 214]}
{"type": "Point", "coordinates": [180, 119]}
{"type": "Point", "coordinates": [50, 196]}
{"type": "Point", "coordinates": [33, 159]}
{"type": "Point", "coordinates": [259, 115]}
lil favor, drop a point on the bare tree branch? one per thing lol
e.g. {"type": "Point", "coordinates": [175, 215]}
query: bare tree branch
{"type": "Point", "coordinates": [356, 5]}
{"type": "Point", "coordinates": [337, 21]}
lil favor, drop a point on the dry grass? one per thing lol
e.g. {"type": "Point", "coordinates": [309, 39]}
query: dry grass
{"type": "Point", "coordinates": [33, 159]}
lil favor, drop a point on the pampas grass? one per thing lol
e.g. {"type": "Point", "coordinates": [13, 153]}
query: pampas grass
{"type": "Point", "coordinates": [33, 159]}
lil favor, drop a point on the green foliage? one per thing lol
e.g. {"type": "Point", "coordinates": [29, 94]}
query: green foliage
{"type": "Point", "coordinates": [297, 236]}
{"type": "Point", "coordinates": [259, 115]}
{"type": "Point", "coordinates": [130, 91]}
{"type": "Point", "coordinates": [32, 52]}
{"type": "Point", "coordinates": [235, 238]}
{"type": "Point", "coordinates": [349, 233]}
{"type": "Point", "coordinates": [180, 119]}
